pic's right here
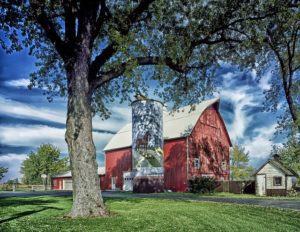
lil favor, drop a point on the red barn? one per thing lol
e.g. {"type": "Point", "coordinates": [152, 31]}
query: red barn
{"type": "Point", "coordinates": [196, 143]}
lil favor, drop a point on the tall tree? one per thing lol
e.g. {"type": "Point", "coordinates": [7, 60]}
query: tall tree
{"type": "Point", "coordinates": [3, 170]}
{"type": "Point", "coordinates": [46, 160]}
{"type": "Point", "coordinates": [97, 51]}
{"type": "Point", "coordinates": [240, 168]}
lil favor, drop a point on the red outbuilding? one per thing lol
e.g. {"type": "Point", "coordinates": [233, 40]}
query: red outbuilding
{"type": "Point", "coordinates": [196, 143]}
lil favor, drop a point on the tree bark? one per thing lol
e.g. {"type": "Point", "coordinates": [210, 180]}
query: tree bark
{"type": "Point", "coordinates": [87, 198]}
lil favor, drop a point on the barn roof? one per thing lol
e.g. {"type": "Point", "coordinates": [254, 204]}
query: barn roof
{"type": "Point", "coordinates": [101, 171]}
{"type": "Point", "coordinates": [287, 171]}
{"type": "Point", "coordinates": [175, 125]}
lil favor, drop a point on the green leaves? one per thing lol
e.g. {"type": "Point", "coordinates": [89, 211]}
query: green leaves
{"type": "Point", "coordinates": [3, 170]}
{"type": "Point", "coordinates": [240, 169]}
{"type": "Point", "coordinates": [45, 161]}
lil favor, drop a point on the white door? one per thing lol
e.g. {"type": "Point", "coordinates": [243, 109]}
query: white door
{"type": "Point", "coordinates": [127, 181]}
{"type": "Point", "coordinates": [67, 184]}
{"type": "Point", "coordinates": [113, 183]}
{"type": "Point", "coordinates": [261, 185]}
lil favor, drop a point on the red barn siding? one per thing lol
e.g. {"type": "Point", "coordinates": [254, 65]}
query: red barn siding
{"type": "Point", "coordinates": [175, 173]}
{"type": "Point", "coordinates": [103, 182]}
{"type": "Point", "coordinates": [57, 182]}
{"type": "Point", "coordinates": [210, 143]}
{"type": "Point", "coordinates": [116, 162]}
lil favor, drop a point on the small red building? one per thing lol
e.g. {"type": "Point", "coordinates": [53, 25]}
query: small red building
{"type": "Point", "coordinates": [64, 181]}
{"type": "Point", "coordinates": [196, 143]}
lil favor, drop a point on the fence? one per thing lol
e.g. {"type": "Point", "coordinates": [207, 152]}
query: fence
{"type": "Point", "coordinates": [40, 187]}
{"type": "Point", "coordinates": [236, 186]}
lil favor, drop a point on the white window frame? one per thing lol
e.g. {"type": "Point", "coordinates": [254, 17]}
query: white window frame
{"type": "Point", "coordinates": [197, 163]}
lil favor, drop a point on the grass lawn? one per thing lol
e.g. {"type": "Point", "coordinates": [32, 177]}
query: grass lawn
{"type": "Point", "coordinates": [46, 214]}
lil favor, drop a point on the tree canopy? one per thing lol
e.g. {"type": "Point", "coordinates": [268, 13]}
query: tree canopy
{"type": "Point", "coordinates": [3, 170]}
{"type": "Point", "coordinates": [240, 168]}
{"type": "Point", "coordinates": [289, 154]}
{"type": "Point", "coordinates": [46, 160]}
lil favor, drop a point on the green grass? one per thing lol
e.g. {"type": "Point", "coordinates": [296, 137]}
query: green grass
{"type": "Point", "coordinates": [46, 214]}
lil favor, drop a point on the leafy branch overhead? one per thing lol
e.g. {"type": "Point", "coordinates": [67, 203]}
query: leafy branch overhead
{"type": "Point", "coordinates": [184, 40]}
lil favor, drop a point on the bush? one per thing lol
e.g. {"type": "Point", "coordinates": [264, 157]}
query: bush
{"type": "Point", "coordinates": [202, 184]}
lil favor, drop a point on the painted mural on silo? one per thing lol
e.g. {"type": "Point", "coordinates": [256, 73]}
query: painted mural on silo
{"type": "Point", "coordinates": [147, 136]}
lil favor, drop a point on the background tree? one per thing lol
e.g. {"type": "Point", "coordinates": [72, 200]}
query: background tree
{"type": "Point", "coordinates": [46, 160]}
{"type": "Point", "coordinates": [289, 154]}
{"type": "Point", "coordinates": [3, 170]}
{"type": "Point", "coordinates": [240, 168]}
{"type": "Point", "coordinates": [99, 51]}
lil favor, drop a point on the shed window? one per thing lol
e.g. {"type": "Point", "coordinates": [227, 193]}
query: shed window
{"type": "Point", "coordinates": [197, 163]}
{"type": "Point", "coordinates": [277, 181]}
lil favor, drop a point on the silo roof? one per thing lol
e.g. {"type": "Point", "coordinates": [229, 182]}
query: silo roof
{"type": "Point", "coordinates": [176, 124]}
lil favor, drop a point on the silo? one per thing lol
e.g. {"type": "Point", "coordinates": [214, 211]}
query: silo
{"type": "Point", "coordinates": [147, 137]}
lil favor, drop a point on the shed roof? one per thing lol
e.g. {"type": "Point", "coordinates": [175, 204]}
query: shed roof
{"type": "Point", "coordinates": [175, 125]}
{"type": "Point", "coordinates": [280, 166]}
{"type": "Point", "coordinates": [101, 171]}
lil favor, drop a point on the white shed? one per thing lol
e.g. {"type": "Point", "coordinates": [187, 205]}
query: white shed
{"type": "Point", "coordinates": [272, 178]}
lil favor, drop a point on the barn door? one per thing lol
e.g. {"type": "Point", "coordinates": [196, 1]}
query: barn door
{"type": "Point", "coordinates": [261, 185]}
{"type": "Point", "coordinates": [127, 181]}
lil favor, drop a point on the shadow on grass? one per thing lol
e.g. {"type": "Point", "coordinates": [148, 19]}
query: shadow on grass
{"type": "Point", "coordinates": [26, 213]}
{"type": "Point", "coordinates": [10, 201]}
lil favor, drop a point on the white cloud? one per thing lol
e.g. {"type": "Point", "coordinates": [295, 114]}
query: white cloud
{"type": "Point", "coordinates": [264, 82]}
{"type": "Point", "coordinates": [241, 101]}
{"type": "Point", "coordinates": [18, 83]}
{"type": "Point", "coordinates": [13, 163]}
{"type": "Point", "coordinates": [33, 136]}
{"type": "Point", "coordinates": [14, 108]}
{"type": "Point", "coordinates": [260, 145]}
{"type": "Point", "coordinates": [120, 116]}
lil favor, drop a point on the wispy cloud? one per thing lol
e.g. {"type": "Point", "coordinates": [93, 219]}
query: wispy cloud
{"type": "Point", "coordinates": [249, 127]}
{"type": "Point", "coordinates": [18, 109]}
{"type": "Point", "coordinates": [260, 144]}
{"type": "Point", "coordinates": [32, 136]}
{"type": "Point", "coordinates": [18, 83]}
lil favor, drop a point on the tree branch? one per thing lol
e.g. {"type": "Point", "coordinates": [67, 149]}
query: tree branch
{"type": "Point", "coordinates": [103, 15]}
{"type": "Point", "coordinates": [49, 27]}
{"type": "Point", "coordinates": [113, 74]}
{"type": "Point", "coordinates": [70, 29]}
{"type": "Point", "coordinates": [109, 51]}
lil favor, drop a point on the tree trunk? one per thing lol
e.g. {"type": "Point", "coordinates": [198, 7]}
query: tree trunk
{"type": "Point", "coordinates": [87, 198]}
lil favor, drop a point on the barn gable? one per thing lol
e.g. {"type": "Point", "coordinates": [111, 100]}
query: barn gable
{"type": "Point", "coordinates": [175, 125]}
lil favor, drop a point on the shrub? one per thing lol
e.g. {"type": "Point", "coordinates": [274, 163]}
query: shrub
{"type": "Point", "coordinates": [202, 184]}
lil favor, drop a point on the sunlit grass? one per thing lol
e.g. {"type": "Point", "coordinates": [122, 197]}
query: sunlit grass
{"type": "Point", "coordinates": [46, 214]}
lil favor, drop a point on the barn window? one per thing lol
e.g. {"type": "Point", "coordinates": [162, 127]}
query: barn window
{"type": "Point", "coordinates": [223, 165]}
{"type": "Point", "coordinates": [197, 163]}
{"type": "Point", "coordinates": [277, 180]}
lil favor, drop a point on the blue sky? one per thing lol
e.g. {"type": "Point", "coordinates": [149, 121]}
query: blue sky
{"type": "Point", "coordinates": [27, 119]}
